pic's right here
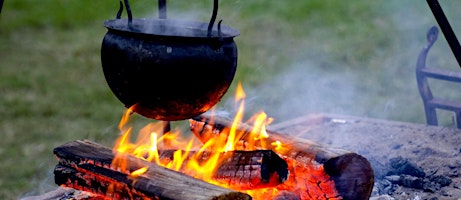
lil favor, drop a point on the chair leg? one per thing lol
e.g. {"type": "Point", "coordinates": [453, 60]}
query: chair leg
{"type": "Point", "coordinates": [458, 119]}
{"type": "Point", "coordinates": [431, 116]}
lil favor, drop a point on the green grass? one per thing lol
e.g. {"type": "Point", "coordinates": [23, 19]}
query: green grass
{"type": "Point", "coordinates": [52, 89]}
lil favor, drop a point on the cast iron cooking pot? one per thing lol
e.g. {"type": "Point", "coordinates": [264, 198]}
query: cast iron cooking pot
{"type": "Point", "coordinates": [168, 69]}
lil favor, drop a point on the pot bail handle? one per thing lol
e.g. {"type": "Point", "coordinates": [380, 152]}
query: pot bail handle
{"type": "Point", "coordinates": [162, 14]}
{"type": "Point", "coordinates": [128, 11]}
{"type": "Point", "coordinates": [217, 43]}
{"type": "Point", "coordinates": [213, 17]}
{"type": "Point", "coordinates": [162, 9]}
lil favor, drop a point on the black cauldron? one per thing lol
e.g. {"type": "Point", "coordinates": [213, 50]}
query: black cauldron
{"type": "Point", "coordinates": [168, 69]}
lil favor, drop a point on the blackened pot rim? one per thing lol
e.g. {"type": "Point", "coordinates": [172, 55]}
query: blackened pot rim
{"type": "Point", "coordinates": [169, 27]}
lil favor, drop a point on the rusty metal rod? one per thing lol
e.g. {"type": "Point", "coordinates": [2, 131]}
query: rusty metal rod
{"type": "Point", "coordinates": [446, 28]}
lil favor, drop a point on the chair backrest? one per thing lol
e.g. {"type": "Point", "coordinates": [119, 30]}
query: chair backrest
{"type": "Point", "coordinates": [423, 72]}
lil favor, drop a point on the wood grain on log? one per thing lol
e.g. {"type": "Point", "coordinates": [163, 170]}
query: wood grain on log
{"type": "Point", "coordinates": [87, 166]}
{"type": "Point", "coordinates": [316, 172]}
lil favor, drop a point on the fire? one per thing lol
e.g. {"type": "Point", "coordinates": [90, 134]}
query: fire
{"type": "Point", "coordinates": [150, 137]}
{"type": "Point", "coordinates": [151, 141]}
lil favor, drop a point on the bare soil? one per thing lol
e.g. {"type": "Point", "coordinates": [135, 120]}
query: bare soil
{"type": "Point", "coordinates": [433, 150]}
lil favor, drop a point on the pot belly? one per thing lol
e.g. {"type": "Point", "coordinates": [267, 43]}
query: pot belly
{"type": "Point", "coordinates": [168, 78]}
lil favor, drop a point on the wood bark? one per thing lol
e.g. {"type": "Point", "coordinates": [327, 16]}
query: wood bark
{"type": "Point", "coordinates": [317, 171]}
{"type": "Point", "coordinates": [85, 165]}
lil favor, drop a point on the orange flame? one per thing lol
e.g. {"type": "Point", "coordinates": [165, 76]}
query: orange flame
{"type": "Point", "coordinates": [186, 158]}
{"type": "Point", "coordinates": [149, 139]}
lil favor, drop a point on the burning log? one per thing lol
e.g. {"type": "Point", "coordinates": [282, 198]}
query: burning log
{"type": "Point", "coordinates": [240, 170]}
{"type": "Point", "coordinates": [87, 166]}
{"type": "Point", "coordinates": [316, 171]}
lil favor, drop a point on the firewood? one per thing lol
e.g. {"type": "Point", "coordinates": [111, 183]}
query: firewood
{"type": "Point", "coordinates": [85, 165]}
{"type": "Point", "coordinates": [239, 170]}
{"type": "Point", "coordinates": [317, 171]}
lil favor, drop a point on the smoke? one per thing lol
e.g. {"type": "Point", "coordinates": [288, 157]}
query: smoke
{"type": "Point", "coordinates": [43, 184]}
{"type": "Point", "coordinates": [380, 85]}
{"type": "Point", "coordinates": [303, 89]}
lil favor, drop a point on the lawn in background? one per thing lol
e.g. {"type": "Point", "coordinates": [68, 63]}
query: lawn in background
{"type": "Point", "coordinates": [52, 89]}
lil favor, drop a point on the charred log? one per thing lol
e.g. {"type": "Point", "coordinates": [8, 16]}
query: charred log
{"type": "Point", "coordinates": [240, 170]}
{"type": "Point", "coordinates": [324, 172]}
{"type": "Point", "coordinates": [87, 166]}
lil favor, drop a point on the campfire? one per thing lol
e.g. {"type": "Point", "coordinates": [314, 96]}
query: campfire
{"type": "Point", "coordinates": [219, 158]}
{"type": "Point", "coordinates": [222, 158]}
